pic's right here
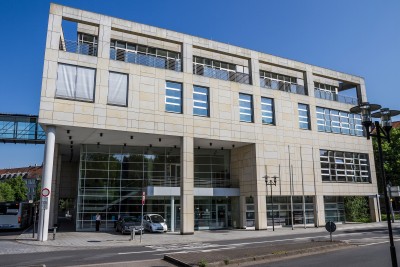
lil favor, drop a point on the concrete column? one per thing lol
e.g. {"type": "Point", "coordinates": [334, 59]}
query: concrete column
{"type": "Point", "coordinates": [43, 225]}
{"type": "Point", "coordinates": [172, 214]}
{"type": "Point", "coordinates": [309, 82]}
{"type": "Point", "coordinates": [187, 184]}
{"type": "Point", "coordinates": [260, 209]}
{"type": "Point", "coordinates": [187, 52]}
{"type": "Point", "coordinates": [55, 184]}
{"type": "Point", "coordinates": [319, 211]}
{"type": "Point", "coordinates": [374, 208]}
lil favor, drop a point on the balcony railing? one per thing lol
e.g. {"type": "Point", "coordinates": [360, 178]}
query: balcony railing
{"type": "Point", "coordinates": [335, 97]}
{"type": "Point", "coordinates": [146, 60]}
{"type": "Point", "coordinates": [78, 47]}
{"type": "Point", "coordinates": [282, 86]}
{"type": "Point", "coordinates": [208, 71]}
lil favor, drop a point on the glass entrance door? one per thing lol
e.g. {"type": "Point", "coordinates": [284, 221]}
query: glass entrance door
{"type": "Point", "coordinates": [222, 216]}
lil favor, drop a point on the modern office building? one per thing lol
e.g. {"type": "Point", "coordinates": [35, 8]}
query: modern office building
{"type": "Point", "coordinates": [197, 125]}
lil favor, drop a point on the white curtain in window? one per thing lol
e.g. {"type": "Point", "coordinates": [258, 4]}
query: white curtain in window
{"type": "Point", "coordinates": [117, 88]}
{"type": "Point", "coordinates": [66, 75]}
{"type": "Point", "coordinates": [84, 83]}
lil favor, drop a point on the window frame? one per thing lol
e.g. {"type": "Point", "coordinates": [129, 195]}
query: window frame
{"type": "Point", "coordinates": [127, 89]}
{"type": "Point", "coordinates": [251, 108]}
{"type": "Point", "coordinates": [207, 101]}
{"type": "Point", "coordinates": [173, 104]}
{"type": "Point", "coordinates": [307, 110]}
{"type": "Point", "coordinates": [272, 111]}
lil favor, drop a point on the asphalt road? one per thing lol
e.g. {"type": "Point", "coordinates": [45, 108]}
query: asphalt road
{"type": "Point", "coordinates": [368, 241]}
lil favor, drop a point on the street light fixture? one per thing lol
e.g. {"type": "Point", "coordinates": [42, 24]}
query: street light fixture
{"type": "Point", "coordinates": [379, 131]}
{"type": "Point", "coordinates": [271, 183]}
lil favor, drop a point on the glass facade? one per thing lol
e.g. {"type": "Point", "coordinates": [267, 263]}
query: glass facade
{"type": "Point", "coordinates": [334, 209]}
{"type": "Point", "coordinates": [112, 178]}
{"type": "Point", "coordinates": [282, 210]}
{"type": "Point", "coordinates": [212, 213]}
{"type": "Point", "coordinates": [335, 121]}
{"type": "Point", "coordinates": [338, 166]}
{"type": "Point", "coordinates": [212, 168]}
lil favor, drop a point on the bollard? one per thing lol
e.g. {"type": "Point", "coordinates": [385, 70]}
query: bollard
{"type": "Point", "coordinates": [54, 233]}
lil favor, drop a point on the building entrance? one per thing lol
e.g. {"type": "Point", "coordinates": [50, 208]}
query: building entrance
{"type": "Point", "coordinates": [222, 216]}
{"type": "Point", "coordinates": [173, 220]}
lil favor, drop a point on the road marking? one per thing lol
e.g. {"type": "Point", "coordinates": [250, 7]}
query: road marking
{"type": "Point", "coordinates": [377, 243]}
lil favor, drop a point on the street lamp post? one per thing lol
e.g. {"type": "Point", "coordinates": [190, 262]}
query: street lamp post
{"type": "Point", "coordinates": [381, 131]}
{"type": "Point", "coordinates": [271, 183]}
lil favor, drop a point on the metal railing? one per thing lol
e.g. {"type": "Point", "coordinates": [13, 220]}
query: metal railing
{"type": "Point", "coordinates": [208, 71]}
{"type": "Point", "coordinates": [282, 86]}
{"type": "Point", "coordinates": [78, 47]}
{"type": "Point", "coordinates": [164, 181]}
{"type": "Point", "coordinates": [146, 60]}
{"type": "Point", "coordinates": [335, 97]}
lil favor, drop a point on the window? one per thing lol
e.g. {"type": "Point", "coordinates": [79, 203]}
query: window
{"type": "Point", "coordinates": [117, 89]}
{"type": "Point", "coordinates": [348, 167]}
{"type": "Point", "coordinates": [201, 104]}
{"type": "Point", "coordinates": [281, 82]}
{"type": "Point", "coordinates": [304, 116]}
{"type": "Point", "coordinates": [75, 82]}
{"type": "Point", "coordinates": [173, 97]}
{"type": "Point", "coordinates": [335, 121]}
{"type": "Point", "coordinates": [246, 107]}
{"type": "Point", "coordinates": [267, 110]}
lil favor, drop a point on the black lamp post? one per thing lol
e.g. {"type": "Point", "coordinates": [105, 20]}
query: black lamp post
{"type": "Point", "coordinates": [379, 131]}
{"type": "Point", "coordinates": [271, 183]}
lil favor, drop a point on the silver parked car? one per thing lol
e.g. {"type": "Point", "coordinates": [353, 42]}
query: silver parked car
{"type": "Point", "coordinates": [127, 224]}
{"type": "Point", "coordinates": [154, 223]}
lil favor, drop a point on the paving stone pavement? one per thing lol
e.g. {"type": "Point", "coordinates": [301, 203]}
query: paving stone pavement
{"type": "Point", "coordinates": [79, 240]}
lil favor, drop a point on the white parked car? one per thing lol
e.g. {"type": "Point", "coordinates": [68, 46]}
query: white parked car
{"type": "Point", "coordinates": [154, 223]}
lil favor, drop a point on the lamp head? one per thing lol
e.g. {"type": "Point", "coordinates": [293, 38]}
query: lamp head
{"type": "Point", "coordinates": [365, 109]}
{"type": "Point", "coordinates": [386, 118]}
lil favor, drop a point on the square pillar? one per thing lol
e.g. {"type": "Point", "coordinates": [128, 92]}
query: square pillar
{"type": "Point", "coordinates": [319, 211]}
{"type": "Point", "coordinates": [374, 208]}
{"type": "Point", "coordinates": [187, 185]}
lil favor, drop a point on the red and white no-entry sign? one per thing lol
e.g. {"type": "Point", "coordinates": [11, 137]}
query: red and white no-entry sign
{"type": "Point", "coordinates": [45, 192]}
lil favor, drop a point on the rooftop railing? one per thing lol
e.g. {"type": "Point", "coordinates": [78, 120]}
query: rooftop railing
{"type": "Point", "coordinates": [282, 86]}
{"type": "Point", "coordinates": [209, 71]}
{"type": "Point", "coordinates": [335, 97]}
{"type": "Point", "coordinates": [78, 47]}
{"type": "Point", "coordinates": [146, 60]}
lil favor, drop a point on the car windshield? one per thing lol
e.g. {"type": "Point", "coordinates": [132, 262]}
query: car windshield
{"type": "Point", "coordinates": [156, 219]}
{"type": "Point", "coordinates": [131, 219]}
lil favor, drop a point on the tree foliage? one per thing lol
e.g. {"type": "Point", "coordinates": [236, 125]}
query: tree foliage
{"type": "Point", "coordinates": [356, 209]}
{"type": "Point", "coordinates": [391, 160]}
{"type": "Point", "coordinates": [19, 187]}
{"type": "Point", "coordinates": [6, 192]}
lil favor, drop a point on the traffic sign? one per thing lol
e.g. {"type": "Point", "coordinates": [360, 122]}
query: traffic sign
{"type": "Point", "coordinates": [45, 192]}
{"type": "Point", "coordinates": [45, 203]}
{"type": "Point", "coordinates": [330, 227]}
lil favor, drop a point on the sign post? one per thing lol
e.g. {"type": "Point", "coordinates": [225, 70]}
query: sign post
{"type": "Point", "coordinates": [330, 227]}
{"type": "Point", "coordinates": [44, 205]}
{"type": "Point", "coordinates": [141, 226]}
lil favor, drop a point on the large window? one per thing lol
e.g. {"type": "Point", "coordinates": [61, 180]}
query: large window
{"type": "Point", "coordinates": [338, 166]}
{"type": "Point", "coordinates": [173, 97]}
{"type": "Point", "coordinates": [117, 89]}
{"type": "Point", "coordinates": [304, 116]}
{"type": "Point", "coordinates": [211, 168]}
{"type": "Point", "coordinates": [201, 106]}
{"type": "Point", "coordinates": [75, 82]}
{"type": "Point", "coordinates": [246, 107]}
{"type": "Point", "coordinates": [335, 121]}
{"type": "Point", "coordinates": [267, 109]}
{"type": "Point", "coordinates": [145, 55]}
{"type": "Point", "coordinates": [281, 82]}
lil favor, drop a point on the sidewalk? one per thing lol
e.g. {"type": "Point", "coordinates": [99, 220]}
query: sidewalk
{"type": "Point", "coordinates": [79, 240]}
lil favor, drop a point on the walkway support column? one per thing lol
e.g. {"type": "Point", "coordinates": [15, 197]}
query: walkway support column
{"type": "Point", "coordinates": [43, 225]}
{"type": "Point", "coordinates": [187, 186]}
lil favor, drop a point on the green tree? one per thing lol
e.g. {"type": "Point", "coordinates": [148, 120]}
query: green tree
{"type": "Point", "coordinates": [19, 187]}
{"type": "Point", "coordinates": [356, 209]}
{"type": "Point", "coordinates": [6, 192]}
{"type": "Point", "coordinates": [391, 159]}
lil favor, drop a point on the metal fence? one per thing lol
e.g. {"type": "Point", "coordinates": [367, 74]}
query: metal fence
{"type": "Point", "coordinates": [208, 71]}
{"type": "Point", "coordinates": [335, 97]}
{"type": "Point", "coordinates": [283, 86]}
{"type": "Point", "coordinates": [78, 47]}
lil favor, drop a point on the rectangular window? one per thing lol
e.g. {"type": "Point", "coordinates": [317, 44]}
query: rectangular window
{"type": "Point", "coordinates": [117, 89]}
{"type": "Point", "coordinates": [267, 110]}
{"type": "Point", "coordinates": [246, 107]}
{"type": "Point", "coordinates": [75, 82]}
{"type": "Point", "coordinates": [304, 116]}
{"type": "Point", "coordinates": [335, 121]}
{"type": "Point", "coordinates": [201, 106]}
{"type": "Point", "coordinates": [173, 97]}
{"type": "Point", "coordinates": [348, 167]}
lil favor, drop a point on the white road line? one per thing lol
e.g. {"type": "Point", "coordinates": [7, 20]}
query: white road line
{"type": "Point", "coordinates": [377, 243]}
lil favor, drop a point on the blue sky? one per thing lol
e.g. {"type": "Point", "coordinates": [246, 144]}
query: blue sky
{"type": "Point", "coordinates": [359, 37]}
